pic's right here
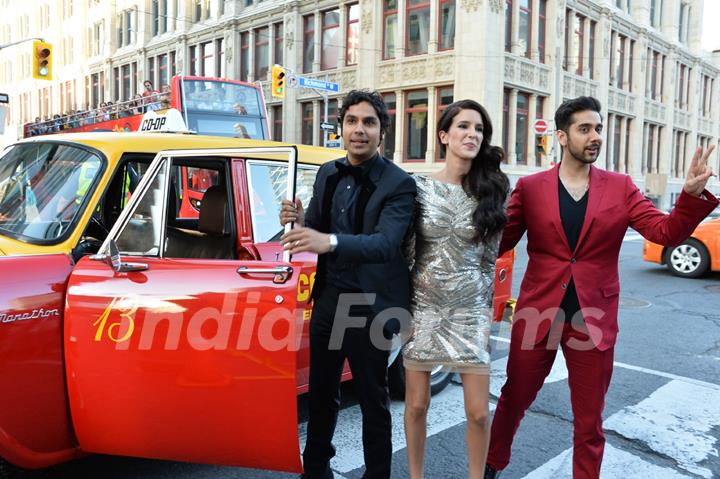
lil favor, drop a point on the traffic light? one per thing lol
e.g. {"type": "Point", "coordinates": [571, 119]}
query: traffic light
{"type": "Point", "coordinates": [542, 144]}
{"type": "Point", "coordinates": [278, 81]}
{"type": "Point", "coordinates": [42, 60]}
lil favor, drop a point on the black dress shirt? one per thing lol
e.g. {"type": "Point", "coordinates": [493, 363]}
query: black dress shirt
{"type": "Point", "coordinates": [342, 219]}
{"type": "Point", "coordinates": [572, 214]}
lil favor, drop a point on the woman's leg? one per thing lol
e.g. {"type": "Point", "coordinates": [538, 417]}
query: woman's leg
{"type": "Point", "coordinates": [477, 411]}
{"type": "Point", "coordinates": [417, 402]}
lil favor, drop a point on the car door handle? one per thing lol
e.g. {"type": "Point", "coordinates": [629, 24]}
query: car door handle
{"type": "Point", "coordinates": [132, 267]}
{"type": "Point", "coordinates": [280, 273]}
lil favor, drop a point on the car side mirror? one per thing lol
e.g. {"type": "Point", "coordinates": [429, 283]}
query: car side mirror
{"type": "Point", "coordinates": [112, 259]}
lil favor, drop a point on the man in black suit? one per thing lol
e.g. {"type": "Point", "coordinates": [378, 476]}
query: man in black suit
{"type": "Point", "coordinates": [356, 220]}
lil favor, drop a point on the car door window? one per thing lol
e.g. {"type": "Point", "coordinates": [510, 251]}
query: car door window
{"type": "Point", "coordinates": [142, 234]}
{"type": "Point", "coordinates": [267, 188]}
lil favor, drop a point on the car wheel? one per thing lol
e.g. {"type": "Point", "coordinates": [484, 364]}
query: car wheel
{"type": "Point", "coordinates": [689, 259]}
{"type": "Point", "coordinates": [439, 379]}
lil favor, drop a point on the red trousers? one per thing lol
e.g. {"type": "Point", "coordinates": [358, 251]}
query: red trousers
{"type": "Point", "coordinates": [589, 373]}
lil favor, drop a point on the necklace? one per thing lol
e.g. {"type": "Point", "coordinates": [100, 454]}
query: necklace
{"type": "Point", "coordinates": [576, 192]}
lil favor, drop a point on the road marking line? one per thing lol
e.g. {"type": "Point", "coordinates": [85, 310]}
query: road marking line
{"type": "Point", "coordinates": [498, 373]}
{"type": "Point", "coordinates": [633, 237]}
{"type": "Point", "coordinates": [675, 420]}
{"type": "Point", "coordinates": [641, 369]}
{"type": "Point", "coordinates": [616, 463]}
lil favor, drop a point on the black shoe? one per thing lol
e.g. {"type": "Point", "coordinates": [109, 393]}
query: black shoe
{"type": "Point", "coordinates": [491, 473]}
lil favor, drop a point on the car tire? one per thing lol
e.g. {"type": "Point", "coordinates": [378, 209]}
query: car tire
{"type": "Point", "coordinates": [688, 260]}
{"type": "Point", "coordinates": [439, 380]}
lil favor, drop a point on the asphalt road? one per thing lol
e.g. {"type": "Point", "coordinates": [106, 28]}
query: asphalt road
{"type": "Point", "coordinates": [662, 417]}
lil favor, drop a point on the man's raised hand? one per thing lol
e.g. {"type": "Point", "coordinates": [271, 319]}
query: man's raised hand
{"type": "Point", "coordinates": [699, 172]}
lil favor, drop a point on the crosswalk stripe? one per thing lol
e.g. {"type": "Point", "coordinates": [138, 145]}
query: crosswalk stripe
{"type": "Point", "coordinates": [616, 463]}
{"type": "Point", "coordinates": [558, 372]}
{"type": "Point", "coordinates": [675, 420]}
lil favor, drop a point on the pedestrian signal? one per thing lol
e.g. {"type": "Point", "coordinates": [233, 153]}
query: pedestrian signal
{"type": "Point", "coordinates": [42, 60]}
{"type": "Point", "coordinates": [278, 81]}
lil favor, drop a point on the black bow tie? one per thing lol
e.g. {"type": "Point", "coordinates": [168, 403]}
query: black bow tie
{"type": "Point", "coordinates": [354, 171]}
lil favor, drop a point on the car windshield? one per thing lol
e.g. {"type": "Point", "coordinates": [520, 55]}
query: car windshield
{"type": "Point", "coordinates": [43, 187]}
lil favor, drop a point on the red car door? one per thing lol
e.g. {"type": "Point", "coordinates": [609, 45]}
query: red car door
{"type": "Point", "coordinates": [184, 358]}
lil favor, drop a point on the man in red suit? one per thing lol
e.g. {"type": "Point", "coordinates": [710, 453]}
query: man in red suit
{"type": "Point", "coordinates": [576, 216]}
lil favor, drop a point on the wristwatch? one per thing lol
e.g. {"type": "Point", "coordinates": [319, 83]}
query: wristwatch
{"type": "Point", "coordinates": [333, 242]}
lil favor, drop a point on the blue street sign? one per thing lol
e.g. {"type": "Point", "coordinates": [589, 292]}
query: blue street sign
{"type": "Point", "coordinates": [318, 84]}
{"type": "Point", "coordinates": [332, 144]}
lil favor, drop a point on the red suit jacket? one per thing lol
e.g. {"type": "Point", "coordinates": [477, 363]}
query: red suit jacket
{"type": "Point", "coordinates": [614, 203]}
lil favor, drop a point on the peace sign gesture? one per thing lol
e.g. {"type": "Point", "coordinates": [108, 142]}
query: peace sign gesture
{"type": "Point", "coordinates": [699, 172]}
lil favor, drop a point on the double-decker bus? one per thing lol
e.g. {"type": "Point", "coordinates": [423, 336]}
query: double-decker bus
{"type": "Point", "coordinates": [209, 106]}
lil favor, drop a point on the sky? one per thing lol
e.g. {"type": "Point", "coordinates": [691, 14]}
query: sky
{"type": "Point", "coordinates": [711, 33]}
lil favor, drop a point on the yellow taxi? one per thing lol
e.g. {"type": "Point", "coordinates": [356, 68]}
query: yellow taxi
{"type": "Point", "coordinates": [696, 256]}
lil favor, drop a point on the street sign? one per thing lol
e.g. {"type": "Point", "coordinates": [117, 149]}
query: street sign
{"type": "Point", "coordinates": [318, 84]}
{"type": "Point", "coordinates": [540, 126]}
{"type": "Point", "coordinates": [4, 98]}
{"type": "Point", "coordinates": [332, 144]}
{"type": "Point", "coordinates": [327, 127]}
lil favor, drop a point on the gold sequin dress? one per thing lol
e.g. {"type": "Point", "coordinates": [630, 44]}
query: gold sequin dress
{"type": "Point", "coordinates": [452, 281]}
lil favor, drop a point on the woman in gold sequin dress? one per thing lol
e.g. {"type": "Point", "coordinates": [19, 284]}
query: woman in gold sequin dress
{"type": "Point", "coordinates": [459, 217]}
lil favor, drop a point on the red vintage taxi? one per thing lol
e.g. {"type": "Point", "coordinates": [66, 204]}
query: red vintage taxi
{"type": "Point", "coordinates": [145, 306]}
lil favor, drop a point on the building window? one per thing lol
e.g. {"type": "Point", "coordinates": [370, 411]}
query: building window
{"type": "Point", "coordinates": [417, 27]}
{"type": "Point", "coordinates": [542, 25]}
{"type": "Point", "coordinates": [330, 40]}
{"type": "Point", "coordinates": [508, 25]}
{"type": "Point", "coordinates": [151, 71]}
{"type": "Point", "coordinates": [198, 10]}
{"type": "Point", "coordinates": [705, 107]}
{"type": "Point", "coordinates": [619, 66]}
{"type": "Point", "coordinates": [277, 129]}
{"type": "Point", "coordinates": [684, 21]}
{"type": "Point", "coordinates": [126, 93]}
{"type": "Point", "coordinates": [444, 99]}
{"type": "Point", "coordinates": [220, 57]}
{"type": "Point", "coordinates": [651, 147]}
{"type": "Point", "coordinates": [244, 56]}
{"type": "Point", "coordinates": [446, 31]}
{"type": "Point", "coordinates": [389, 28]}
{"type": "Point", "coordinates": [416, 125]}
{"type": "Point", "coordinates": [207, 62]}
{"type": "Point", "coordinates": [173, 67]}
{"type": "Point", "coordinates": [578, 46]}
{"type": "Point", "coordinates": [308, 43]}
{"type": "Point", "coordinates": [525, 27]}
{"type": "Point", "coordinates": [388, 146]}
{"type": "Point", "coordinates": [331, 118]}
{"type": "Point", "coordinates": [353, 34]}
{"type": "Point", "coordinates": [683, 87]}
{"type": "Point", "coordinates": [506, 124]}
{"type": "Point", "coordinates": [680, 139]}
{"type": "Point", "coordinates": [193, 70]}
{"type": "Point", "coordinates": [262, 52]}
{"type": "Point", "coordinates": [307, 123]}
{"type": "Point", "coordinates": [155, 21]}
{"type": "Point", "coordinates": [278, 44]}
{"type": "Point", "coordinates": [162, 70]}
{"type": "Point", "coordinates": [591, 50]}
{"type": "Point", "coordinates": [521, 128]}
{"type": "Point", "coordinates": [656, 13]}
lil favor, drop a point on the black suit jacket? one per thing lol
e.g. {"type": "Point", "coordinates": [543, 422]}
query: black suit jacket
{"type": "Point", "coordinates": [383, 212]}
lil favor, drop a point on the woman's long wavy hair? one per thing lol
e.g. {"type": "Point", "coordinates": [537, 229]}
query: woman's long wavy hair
{"type": "Point", "coordinates": [485, 181]}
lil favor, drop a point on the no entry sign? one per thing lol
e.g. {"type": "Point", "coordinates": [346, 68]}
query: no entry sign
{"type": "Point", "coordinates": [540, 126]}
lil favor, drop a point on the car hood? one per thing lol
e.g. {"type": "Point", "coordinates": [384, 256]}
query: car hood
{"type": "Point", "coordinates": [12, 247]}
